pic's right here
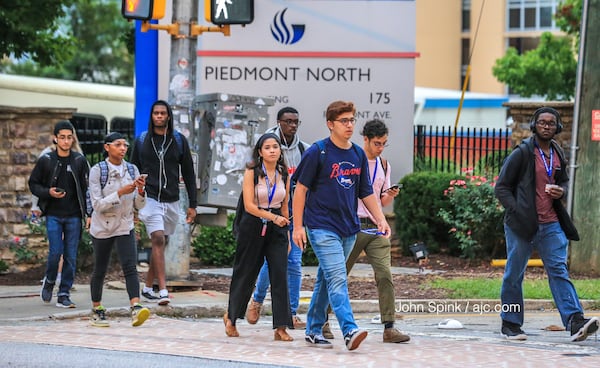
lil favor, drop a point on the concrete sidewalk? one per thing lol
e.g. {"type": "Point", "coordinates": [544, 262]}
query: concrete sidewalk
{"type": "Point", "coordinates": [24, 302]}
{"type": "Point", "coordinates": [192, 326]}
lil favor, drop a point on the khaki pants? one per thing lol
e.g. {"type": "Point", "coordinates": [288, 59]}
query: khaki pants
{"type": "Point", "coordinates": [377, 248]}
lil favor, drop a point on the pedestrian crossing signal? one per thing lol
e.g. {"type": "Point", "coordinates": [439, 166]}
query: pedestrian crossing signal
{"type": "Point", "coordinates": [222, 12]}
{"type": "Point", "coordinates": [143, 9]}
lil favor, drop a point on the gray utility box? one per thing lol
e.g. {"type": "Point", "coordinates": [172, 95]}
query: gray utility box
{"type": "Point", "coordinates": [226, 129]}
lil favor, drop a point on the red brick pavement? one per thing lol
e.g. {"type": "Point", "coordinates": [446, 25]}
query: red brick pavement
{"type": "Point", "coordinates": [206, 338]}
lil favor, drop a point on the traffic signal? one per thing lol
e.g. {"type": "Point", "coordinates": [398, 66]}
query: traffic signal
{"type": "Point", "coordinates": [222, 12]}
{"type": "Point", "coordinates": [143, 9]}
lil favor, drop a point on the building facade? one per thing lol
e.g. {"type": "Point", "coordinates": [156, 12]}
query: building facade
{"type": "Point", "coordinates": [452, 34]}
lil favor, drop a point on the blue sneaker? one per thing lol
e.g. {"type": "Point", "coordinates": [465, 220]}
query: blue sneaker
{"type": "Point", "coordinates": [65, 302]}
{"type": "Point", "coordinates": [47, 290]}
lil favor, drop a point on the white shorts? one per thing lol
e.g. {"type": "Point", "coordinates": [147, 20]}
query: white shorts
{"type": "Point", "coordinates": [159, 216]}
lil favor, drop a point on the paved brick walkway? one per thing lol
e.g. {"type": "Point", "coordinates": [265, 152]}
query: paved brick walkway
{"type": "Point", "coordinates": [205, 338]}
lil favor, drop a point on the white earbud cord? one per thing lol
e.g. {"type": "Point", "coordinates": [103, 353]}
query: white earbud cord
{"type": "Point", "coordinates": [161, 163]}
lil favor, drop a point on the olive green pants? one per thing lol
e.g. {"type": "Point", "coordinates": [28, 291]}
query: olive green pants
{"type": "Point", "coordinates": [377, 248]}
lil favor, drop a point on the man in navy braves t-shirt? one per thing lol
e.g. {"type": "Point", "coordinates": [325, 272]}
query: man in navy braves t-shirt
{"type": "Point", "coordinates": [331, 177]}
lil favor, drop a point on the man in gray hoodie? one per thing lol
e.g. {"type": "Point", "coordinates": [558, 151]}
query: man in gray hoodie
{"type": "Point", "coordinates": [292, 148]}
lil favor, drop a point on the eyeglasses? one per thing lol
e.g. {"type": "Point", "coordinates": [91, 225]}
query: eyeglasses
{"type": "Point", "coordinates": [295, 122]}
{"type": "Point", "coordinates": [379, 144]}
{"type": "Point", "coordinates": [549, 124]}
{"type": "Point", "coordinates": [119, 144]}
{"type": "Point", "coordinates": [346, 121]}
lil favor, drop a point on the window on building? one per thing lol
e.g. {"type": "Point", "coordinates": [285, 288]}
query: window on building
{"type": "Point", "coordinates": [531, 15]}
{"type": "Point", "coordinates": [466, 15]}
{"type": "Point", "coordinates": [465, 54]}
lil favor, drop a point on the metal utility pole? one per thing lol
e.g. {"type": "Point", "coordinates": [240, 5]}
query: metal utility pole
{"type": "Point", "coordinates": [182, 87]}
{"type": "Point", "coordinates": [585, 254]}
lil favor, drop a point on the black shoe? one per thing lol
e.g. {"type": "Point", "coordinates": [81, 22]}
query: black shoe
{"type": "Point", "coordinates": [47, 290]}
{"type": "Point", "coordinates": [317, 341]}
{"type": "Point", "coordinates": [65, 302]}
{"type": "Point", "coordinates": [150, 297]}
{"type": "Point", "coordinates": [354, 338]}
{"type": "Point", "coordinates": [512, 331]}
{"type": "Point", "coordinates": [581, 327]}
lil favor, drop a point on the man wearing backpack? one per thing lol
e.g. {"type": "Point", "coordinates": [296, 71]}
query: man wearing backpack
{"type": "Point", "coordinates": [336, 173]}
{"type": "Point", "coordinates": [376, 247]}
{"type": "Point", "coordinates": [60, 181]}
{"type": "Point", "coordinates": [292, 148]}
{"type": "Point", "coordinates": [159, 153]}
{"type": "Point", "coordinates": [531, 184]}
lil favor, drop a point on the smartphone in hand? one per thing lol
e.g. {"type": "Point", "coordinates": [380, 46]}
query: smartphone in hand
{"type": "Point", "coordinates": [59, 190]}
{"type": "Point", "coordinates": [395, 186]}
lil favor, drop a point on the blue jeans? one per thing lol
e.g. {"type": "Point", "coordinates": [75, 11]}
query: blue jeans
{"type": "Point", "coordinates": [551, 244]}
{"type": "Point", "coordinates": [294, 274]}
{"type": "Point", "coordinates": [332, 282]}
{"type": "Point", "coordinates": [63, 239]}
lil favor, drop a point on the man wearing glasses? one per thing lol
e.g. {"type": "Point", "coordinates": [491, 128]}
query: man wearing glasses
{"type": "Point", "coordinates": [292, 148]}
{"type": "Point", "coordinates": [532, 182]}
{"type": "Point", "coordinates": [376, 247]}
{"type": "Point", "coordinates": [332, 176]}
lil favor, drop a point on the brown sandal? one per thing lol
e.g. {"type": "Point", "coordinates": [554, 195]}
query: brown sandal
{"type": "Point", "coordinates": [230, 329]}
{"type": "Point", "coordinates": [253, 311]}
{"type": "Point", "coordinates": [281, 334]}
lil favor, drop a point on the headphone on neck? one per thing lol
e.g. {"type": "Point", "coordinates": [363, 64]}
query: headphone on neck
{"type": "Point", "coordinates": [541, 110]}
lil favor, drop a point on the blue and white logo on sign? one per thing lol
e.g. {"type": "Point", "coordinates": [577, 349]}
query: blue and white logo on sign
{"type": "Point", "coordinates": [284, 33]}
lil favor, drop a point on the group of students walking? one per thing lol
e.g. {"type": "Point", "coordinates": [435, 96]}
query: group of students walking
{"type": "Point", "coordinates": [328, 195]}
{"type": "Point", "coordinates": [106, 196]}
{"type": "Point", "coordinates": [318, 204]}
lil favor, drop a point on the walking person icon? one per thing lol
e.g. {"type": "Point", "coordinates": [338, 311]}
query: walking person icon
{"type": "Point", "coordinates": [222, 8]}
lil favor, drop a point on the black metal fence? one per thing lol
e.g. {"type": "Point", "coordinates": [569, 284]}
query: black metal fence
{"type": "Point", "coordinates": [480, 151]}
{"type": "Point", "coordinates": [91, 130]}
{"type": "Point", "coordinates": [437, 148]}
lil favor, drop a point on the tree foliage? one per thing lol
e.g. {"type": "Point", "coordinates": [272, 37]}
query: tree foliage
{"type": "Point", "coordinates": [30, 28]}
{"type": "Point", "coordinates": [102, 39]}
{"type": "Point", "coordinates": [550, 70]}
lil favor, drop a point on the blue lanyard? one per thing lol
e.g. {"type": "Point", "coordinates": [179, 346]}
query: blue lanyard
{"type": "Point", "coordinates": [272, 193]}
{"type": "Point", "coordinates": [375, 171]}
{"type": "Point", "coordinates": [550, 167]}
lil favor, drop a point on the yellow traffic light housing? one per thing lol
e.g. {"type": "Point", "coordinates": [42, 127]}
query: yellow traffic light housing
{"type": "Point", "coordinates": [223, 12]}
{"type": "Point", "coordinates": [143, 9]}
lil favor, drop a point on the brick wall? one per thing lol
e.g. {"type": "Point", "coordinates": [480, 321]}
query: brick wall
{"type": "Point", "coordinates": [521, 112]}
{"type": "Point", "coordinates": [24, 133]}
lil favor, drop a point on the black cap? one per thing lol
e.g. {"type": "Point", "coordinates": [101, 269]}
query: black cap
{"type": "Point", "coordinates": [111, 137]}
{"type": "Point", "coordinates": [63, 124]}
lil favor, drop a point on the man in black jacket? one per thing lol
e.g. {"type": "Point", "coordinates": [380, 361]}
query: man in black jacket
{"type": "Point", "coordinates": [59, 179]}
{"type": "Point", "coordinates": [530, 187]}
{"type": "Point", "coordinates": [159, 153]}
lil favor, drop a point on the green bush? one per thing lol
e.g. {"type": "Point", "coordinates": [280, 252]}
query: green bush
{"type": "Point", "coordinates": [416, 209]}
{"type": "Point", "coordinates": [474, 216]}
{"type": "Point", "coordinates": [308, 257]}
{"type": "Point", "coordinates": [215, 245]}
{"type": "Point", "coordinates": [3, 266]}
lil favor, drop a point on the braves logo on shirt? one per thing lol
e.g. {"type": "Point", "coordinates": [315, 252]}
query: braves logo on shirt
{"type": "Point", "coordinates": [345, 173]}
